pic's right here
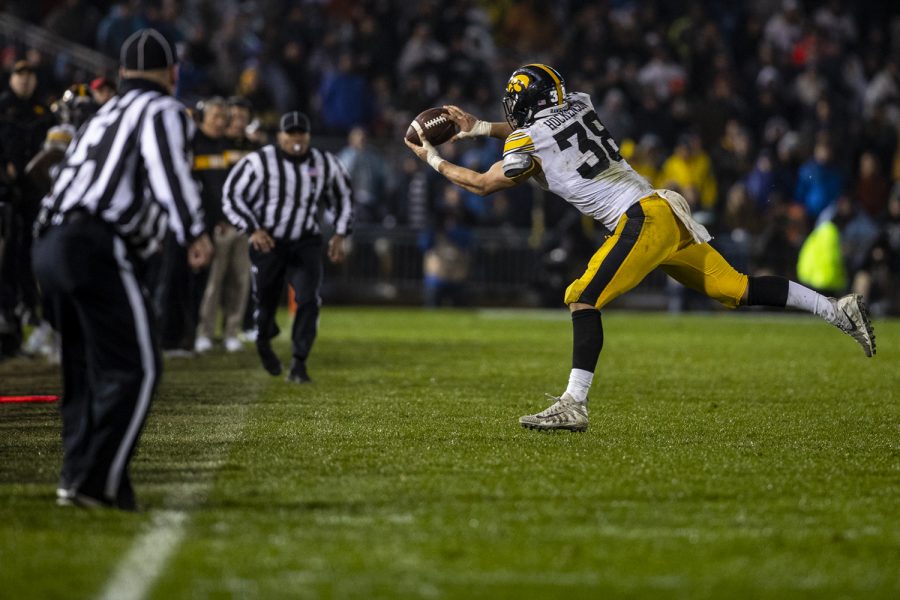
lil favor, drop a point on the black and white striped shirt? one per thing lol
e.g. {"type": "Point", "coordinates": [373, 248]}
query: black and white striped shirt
{"type": "Point", "coordinates": [129, 166]}
{"type": "Point", "coordinates": [269, 189]}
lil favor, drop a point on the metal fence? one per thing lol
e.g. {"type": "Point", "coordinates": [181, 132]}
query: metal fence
{"type": "Point", "coordinates": [77, 57]}
{"type": "Point", "coordinates": [385, 266]}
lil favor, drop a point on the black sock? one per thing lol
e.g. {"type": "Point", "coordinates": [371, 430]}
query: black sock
{"type": "Point", "coordinates": [767, 290]}
{"type": "Point", "coordinates": [587, 339]}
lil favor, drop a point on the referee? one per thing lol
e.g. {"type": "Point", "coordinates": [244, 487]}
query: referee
{"type": "Point", "coordinates": [125, 180]}
{"type": "Point", "coordinates": [274, 194]}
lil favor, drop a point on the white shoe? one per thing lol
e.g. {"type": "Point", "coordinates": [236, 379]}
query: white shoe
{"type": "Point", "coordinates": [249, 336]}
{"type": "Point", "coordinates": [41, 337]}
{"type": "Point", "coordinates": [565, 413]}
{"type": "Point", "coordinates": [202, 344]}
{"type": "Point", "coordinates": [232, 344]}
{"type": "Point", "coordinates": [853, 319]}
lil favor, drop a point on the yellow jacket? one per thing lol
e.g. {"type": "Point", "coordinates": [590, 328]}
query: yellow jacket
{"type": "Point", "coordinates": [695, 172]}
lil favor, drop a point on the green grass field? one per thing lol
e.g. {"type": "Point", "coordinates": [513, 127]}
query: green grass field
{"type": "Point", "coordinates": [737, 455]}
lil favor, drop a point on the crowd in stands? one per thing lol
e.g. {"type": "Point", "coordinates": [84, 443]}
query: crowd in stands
{"type": "Point", "coordinates": [777, 119]}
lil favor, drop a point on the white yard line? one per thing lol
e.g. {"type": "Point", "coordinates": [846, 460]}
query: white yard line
{"type": "Point", "coordinates": [141, 567]}
{"type": "Point", "coordinates": [146, 560]}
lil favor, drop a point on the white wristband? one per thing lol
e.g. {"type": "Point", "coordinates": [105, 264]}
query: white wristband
{"type": "Point", "coordinates": [479, 129]}
{"type": "Point", "coordinates": [434, 161]}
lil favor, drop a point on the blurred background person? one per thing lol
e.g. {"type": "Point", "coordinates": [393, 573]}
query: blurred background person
{"type": "Point", "coordinates": [24, 121]}
{"type": "Point", "coordinates": [447, 257]}
{"type": "Point", "coordinates": [228, 280]}
{"type": "Point", "coordinates": [102, 89]}
{"type": "Point", "coordinates": [369, 175]}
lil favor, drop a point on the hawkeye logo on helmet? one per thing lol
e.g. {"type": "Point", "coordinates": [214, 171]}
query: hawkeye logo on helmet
{"type": "Point", "coordinates": [518, 83]}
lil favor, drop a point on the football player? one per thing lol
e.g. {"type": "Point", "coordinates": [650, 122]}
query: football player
{"type": "Point", "coordinates": [555, 138]}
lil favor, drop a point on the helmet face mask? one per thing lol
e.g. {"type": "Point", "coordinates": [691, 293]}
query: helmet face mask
{"type": "Point", "coordinates": [76, 105]}
{"type": "Point", "coordinates": [531, 89]}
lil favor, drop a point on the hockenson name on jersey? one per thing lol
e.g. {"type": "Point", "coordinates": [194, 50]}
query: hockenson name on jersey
{"type": "Point", "coordinates": [559, 116]}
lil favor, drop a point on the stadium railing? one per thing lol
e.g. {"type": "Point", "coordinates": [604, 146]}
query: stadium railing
{"type": "Point", "coordinates": [15, 30]}
{"type": "Point", "coordinates": [385, 266]}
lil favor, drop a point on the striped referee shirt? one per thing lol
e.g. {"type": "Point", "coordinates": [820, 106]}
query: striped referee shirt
{"type": "Point", "coordinates": [269, 189]}
{"type": "Point", "coordinates": [129, 166]}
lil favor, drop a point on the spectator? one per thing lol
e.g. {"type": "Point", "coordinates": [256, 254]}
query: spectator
{"type": "Point", "coordinates": [785, 27]}
{"type": "Point", "coordinates": [75, 20]}
{"type": "Point", "coordinates": [228, 281]}
{"type": "Point", "coordinates": [821, 262]}
{"type": "Point", "coordinates": [778, 246]}
{"type": "Point", "coordinates": [819, 181]}
{"type": "Point", "coordinates": [24, 122]}
{"type": "Point", "coordinates": [120, 22]}
{"type": "Point", "coordinates": [446, 247]}
{"type": "Point", "coordinates": [102, 89]}
{"type": "Point", "coordinates": [689, 169]}
{"type": "Point", "coordinates": [876, 278]}
{"type": "Point", "coordinates": [346, 100]}
{"type": "Point", "coordinates": [368, 174]}
{"type": "Point", "coordinates": [421, 50]}
{"type": "Point", "coordinates": [872, 187]}
{"type": "Point", "coordinates": [733, 157]}
{"type": "Point", "coordinates": [645, 157]}
{"type": "Point", "coordinates": [615, 116]}
{"type": "Point", "coordinates": [237, 146]}
{"type": "Point", "coordinates": [765, 181]}
{"type": "Point", "coordinates": [661, 76]}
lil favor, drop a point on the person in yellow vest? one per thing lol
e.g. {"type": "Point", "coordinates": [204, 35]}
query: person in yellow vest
{"type": "Point", "coordinates": [820, 264]}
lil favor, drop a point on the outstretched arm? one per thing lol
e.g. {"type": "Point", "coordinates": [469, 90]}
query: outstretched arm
{"type": "Point", "coordinates": [482, 184]}
{"type": "Point", "coordinates": [471, 126]}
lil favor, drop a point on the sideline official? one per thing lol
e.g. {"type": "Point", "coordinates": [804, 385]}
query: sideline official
{"type": "Point", "coordinates": [124, 182]}
{"type": "Point", "coordinates": [274, 194]}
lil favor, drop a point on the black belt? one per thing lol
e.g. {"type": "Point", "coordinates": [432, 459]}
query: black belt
{"type": "Point", "coordinates": [75, 216]}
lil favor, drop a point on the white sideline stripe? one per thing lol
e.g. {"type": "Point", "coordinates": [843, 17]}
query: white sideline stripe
{"type": "Point", "coordinates": [147, 558]}
{"type": "Point", "coordinates": [142, 333]}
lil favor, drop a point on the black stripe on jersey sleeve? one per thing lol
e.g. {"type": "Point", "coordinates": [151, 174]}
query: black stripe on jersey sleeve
{"type": "Point", "coordinates": [167, 141]}
{"type": "Point", "coordinates": [282, 200]}
{"type": "Point", "coordinates": [234, 198]}
{"type": "Point", "coordinates": [341, 198]}
{"type": "Point", "coordinates": [264, 198]}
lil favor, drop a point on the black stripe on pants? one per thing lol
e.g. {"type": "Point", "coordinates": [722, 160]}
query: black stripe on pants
{"type": "Point", "coordinates": [110, 359]}
{"type": "Point", "coordinates": [613, 261]}
{"type": "Point", "coordinates": [298, 263]}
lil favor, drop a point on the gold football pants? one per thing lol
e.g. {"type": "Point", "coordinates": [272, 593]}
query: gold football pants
{"type": "Point", "coordinates": [649, 235]}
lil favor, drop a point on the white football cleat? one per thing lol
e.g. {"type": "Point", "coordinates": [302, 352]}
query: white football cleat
{"type": "Point", "coordinates": [565, 413]}
{"type": "Point", "coordinates": [202, 344]}
{"type": "Point", "coordinates": [853, 319]}
{"type": "Point", "coordinates": [232, 344]}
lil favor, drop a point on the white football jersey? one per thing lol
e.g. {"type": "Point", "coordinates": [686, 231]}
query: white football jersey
{"type": "Point", "coordinates": [580, 160]}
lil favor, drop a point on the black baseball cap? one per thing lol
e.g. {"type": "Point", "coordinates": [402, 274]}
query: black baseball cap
{"type": "Point", "coordinates": [147, 50]}
{"type": "Point", "coordinates": [294, 121]}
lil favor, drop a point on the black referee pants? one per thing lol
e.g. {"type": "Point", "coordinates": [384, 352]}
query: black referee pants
{"type": "Point", "coordinates": [300, 264]}
{"type": "Point", "coordinates": [93, 297]}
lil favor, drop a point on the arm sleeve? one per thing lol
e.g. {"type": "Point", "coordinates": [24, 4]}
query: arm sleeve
{"type": "Point", "coordinates": [340, 193]}
{"type": "Point", "coordinates": [240, 191]}
{"type": "Point", "coordinates": [518, 159]}
{"type": "Point", "coordinates": [165, 139]}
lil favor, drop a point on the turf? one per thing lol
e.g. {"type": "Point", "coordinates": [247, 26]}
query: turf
{"type": "Point", "coordinates": [738, 455]}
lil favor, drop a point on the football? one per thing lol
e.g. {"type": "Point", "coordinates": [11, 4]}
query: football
{"type": "Point", "coordinates": [434, 125]}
